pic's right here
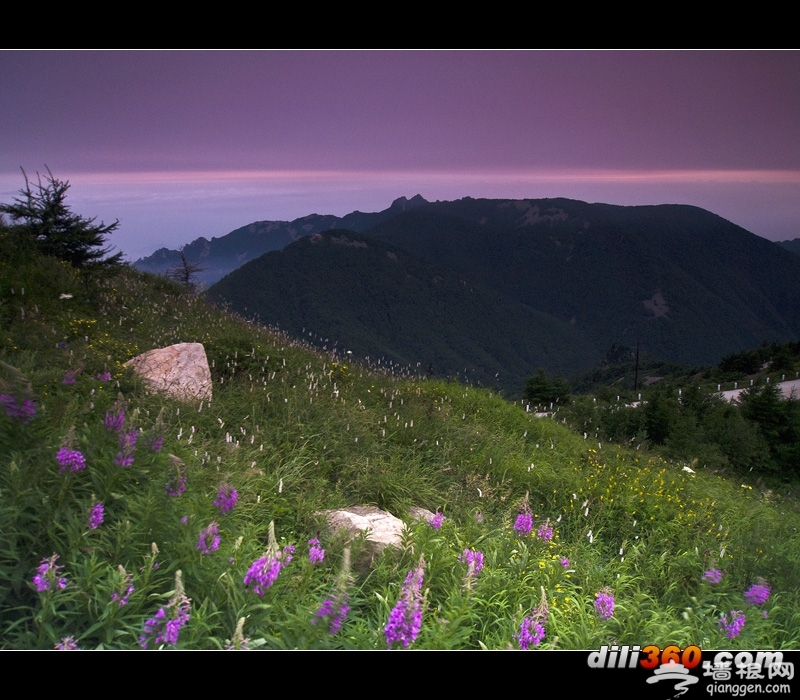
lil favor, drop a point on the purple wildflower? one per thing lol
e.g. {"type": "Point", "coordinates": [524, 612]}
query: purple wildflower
{"type": "Point", "coordinates": [286, 553]}
{"type": "Point", "coordinates": [758, 593]}
{"type": "Point", "coordinates": [531, 630]}
{"type": "Point", "coordinates": [67, 644]}
{"type": "Point", "coordinates": [209, 539]}
{"type": "Point", "coordinates": [28, 410]}
{"type": "Point", "coordinates": [604, 604]}
{"type": "Point", "coordinates": [479, 517]}
{"type": "Point", "coordinates": [104, 376]}
{"type": "Point", "coordinates": [120, 596]}
{"type": "Point", "coordinates": [405, 620]}
{"type": "Point", "coordinates": [316, 553]}
{"type": "Point", "coordinates": [335, 610]}
{"type": "Point", "coordinates": [176, 486]}
{"type": "Point", "coordinates": [156, 443]}
{"type": "Point", "coordinates": [436, 521]}
{"type": "Point", "coordinates": [325, 609]}
{"type": "Point", "coordinates": [96, 516]}
{"type": "Point", "coordinates": [473, 559]}
{"type": "Point", "coordinates": [524, 524]}
{"type": "Point", "coordinates": [531, 633]}
{"type": "Point", "coordinates": [166, 625]}
{"type": "Point", "coordinates": [734, 627]}
{"type": "Point", "coordinates": [166, 629]}
{"type": "Point", "coordinates": [713, 576]}
{"type": "Point", "coordinates": [564, 562]}
{"type": "Point", "coordinates": [127, 441]}
{"type": "Point", "coordinates": [114, 421]}
{"type": "Point", "coordinates": [177, 483]}
{"type": "Point", "coordinates": [122, 599]}
{"type": "Point", "coordinates": [69, 377]}
{"type": "Point", "coordinates": [127, 444]}
{"type": "Point", "coordinates": [226, 498]}
{"type": "Point", "coordinates": [71, 460]}
{"type": "Point", "coordinates": [262, 574]}
{"type": "Point", "coordinates": [545, 532]}
{"type": "Point", "coordinates": [48, 575]}
{"type": "Point", "coordinates": [474, 562]}
{"type": "Point", "coordinates": [153, 626]}
{"type": "Point", "coordinates": [24, 411]}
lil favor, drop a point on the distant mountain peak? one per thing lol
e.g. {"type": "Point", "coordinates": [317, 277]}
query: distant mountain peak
{"type": "Point", "coordinates": [225, 254]}
{"type": "Point", "coordinates": [792, 246]}
{"type": "Point", "coordinates": [403, 204]}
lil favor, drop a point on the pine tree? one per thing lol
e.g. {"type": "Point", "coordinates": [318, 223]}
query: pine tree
{"type": "Point", "coordinates": [542, 390]}
{"type": "Point", "coordinates": [41, 217]}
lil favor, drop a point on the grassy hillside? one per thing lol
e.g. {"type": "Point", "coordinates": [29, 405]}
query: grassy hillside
{"type": "Point", "coordinates": [564, 525]}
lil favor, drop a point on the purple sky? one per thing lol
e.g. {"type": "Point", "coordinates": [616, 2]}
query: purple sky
{"type": "Point", "coordinates": [185, 144]}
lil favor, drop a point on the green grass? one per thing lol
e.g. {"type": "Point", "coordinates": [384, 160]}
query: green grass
{"type": "Point", "coordinates": [295, 432]}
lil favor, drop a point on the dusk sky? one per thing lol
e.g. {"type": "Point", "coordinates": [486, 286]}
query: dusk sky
{"type": "Point", "coordinates": [185, 144]}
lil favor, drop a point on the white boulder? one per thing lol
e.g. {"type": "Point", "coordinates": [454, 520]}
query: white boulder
{"type": "Point", "coordinates": [181, 371]}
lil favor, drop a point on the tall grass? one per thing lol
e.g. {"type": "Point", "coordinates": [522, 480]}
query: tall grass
{"type": "Point", "coordinates": [294, 432]}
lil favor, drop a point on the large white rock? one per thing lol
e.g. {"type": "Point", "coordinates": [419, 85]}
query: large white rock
{"type": "Point", "coordinates": [178, 370]}
{"type": "Point", "coordinates": [382, 529]}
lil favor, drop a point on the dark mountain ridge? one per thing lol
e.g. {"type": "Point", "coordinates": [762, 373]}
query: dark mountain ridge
{"type": "Point", "coordinates": [366, 295]}
{"type": "Point", "coordinates": [559, 280]}
{"type": "Point", "coordinates": [219, 256]}
{"type": "Point", "coordinates": [792, 245]}
{"type": "Point", "coordinates": [564, 257]}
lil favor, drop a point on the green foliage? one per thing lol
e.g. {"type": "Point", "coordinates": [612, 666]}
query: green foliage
{"type": "Point", "coordinates": [783, 357]}
{"type": "Point", "coordinates": [684, 417]}
{"type": "Point", "coordinates": [778, 422]}
{"type": "Point", "coordinates": [42, 220]}
{"type": "Point", "coordinates": [543, 390]}
{"type": "Point", "coordinates": [661, 415]}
